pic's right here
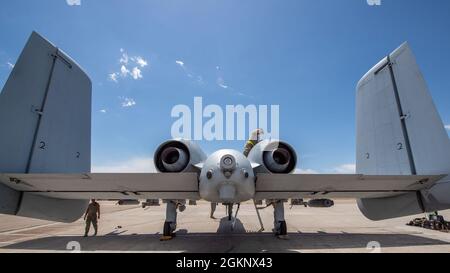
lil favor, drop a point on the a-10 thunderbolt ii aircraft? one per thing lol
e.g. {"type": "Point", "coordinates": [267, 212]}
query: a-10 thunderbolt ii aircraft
{"type": "Point", "coordinates": [402, 160]}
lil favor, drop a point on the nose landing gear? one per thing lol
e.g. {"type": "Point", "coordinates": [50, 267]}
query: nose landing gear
{"type": "Point", "coordinates": [230, 214]}
{"type": "Point", "coordinates": [230, 211]}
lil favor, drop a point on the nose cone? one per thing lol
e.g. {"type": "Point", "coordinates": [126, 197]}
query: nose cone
{"type": "Point", "coordinates": [227, 177]}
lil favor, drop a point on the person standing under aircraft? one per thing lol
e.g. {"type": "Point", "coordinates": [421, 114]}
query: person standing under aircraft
{"type": "Point", "coordinates": [255, 138]}
{"type": "Point", "coordinates": [91, 217]}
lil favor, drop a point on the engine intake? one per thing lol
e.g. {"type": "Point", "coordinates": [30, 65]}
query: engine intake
{"type": "Point", "coordinates": [277, 161]}
{"type": "Point", "coordinates": [172, 157]}
{"type": "Point", "coordinates": [278, 157]}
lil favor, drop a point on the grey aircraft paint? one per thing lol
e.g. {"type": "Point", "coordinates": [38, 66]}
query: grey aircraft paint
{"type": "Point", "coordinates": [402, 149]}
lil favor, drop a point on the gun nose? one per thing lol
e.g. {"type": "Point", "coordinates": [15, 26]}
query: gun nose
{"type": "Point", "coordinates": [228, 165]}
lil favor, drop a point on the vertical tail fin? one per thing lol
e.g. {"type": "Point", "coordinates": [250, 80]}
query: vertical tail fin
{"type": "Point", "coordinates": [45, 113]}
{"type": "Point", "coordinates": [45, 116]}
{"type": "Point", "coordinates": [399, 131]}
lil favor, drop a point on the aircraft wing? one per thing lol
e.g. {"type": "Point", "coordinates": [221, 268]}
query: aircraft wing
{"type": "Point", "coordinates": [329, 186]}
{"type": "Point", "coordinates": [107, 186]}
{"type": "Point", "coordinates": [185, 185]}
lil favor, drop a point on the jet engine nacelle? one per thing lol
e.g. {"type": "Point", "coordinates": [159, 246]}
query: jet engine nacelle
{"type": "Point", "coordinates": [274, 157]}
{"type": "Point", "coordinates": [176, 156]}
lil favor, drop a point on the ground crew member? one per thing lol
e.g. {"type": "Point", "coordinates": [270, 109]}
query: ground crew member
{"type": "Point", "coordinates": [91, 216]}
{"type": "Point", "coordinates": [255, 138]}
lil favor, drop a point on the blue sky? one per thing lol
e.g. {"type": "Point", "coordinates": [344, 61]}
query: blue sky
{"type": "Point", "coordinates": [305, 56]}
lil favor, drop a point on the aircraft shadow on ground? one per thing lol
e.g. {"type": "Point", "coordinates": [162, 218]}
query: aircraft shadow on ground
{"type": "Point", "coordinates": [225, 240]}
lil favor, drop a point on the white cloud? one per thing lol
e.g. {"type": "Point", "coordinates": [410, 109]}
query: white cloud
{"type": "Point", "coordinates": [73, 2]}
{"type": "Point", "coordinates": [221, 83]}
{"type": "Point", "coordinates": [306, 171]}
{"type": "Point", "coordinates": [10, 65]}
{"type": "Point", "coordinates": [113, 77]}
{"type": "Point", "coordinates": [133, 165]}
{"type": "Point", "coordinates": [345, 169]}
{"type": "Point", "coordinates": [180, 63]}
{"type": "Point", "coordinates": [447, 127]}
{"type": "Point", "coordinates": [231, 90]}
{"type": "Point", "coordinates": [244, 95]}
{"type": "Point", "coordinates": [128, 102]}
{"type": "Point", "coordinates": [190, 74]}
{"type": "Point", "coordinates": [140, 61]}
{"type": "Point", "coordinates": [103, 111]}
{"type": "Point", "coordinates": [136, 73]}
{"type": "Point", "coordinates": [124, 59]}
{"type": "Point", "coordinates": [129, 66]}
{"type": "Point", "coordinates": [124, 71]}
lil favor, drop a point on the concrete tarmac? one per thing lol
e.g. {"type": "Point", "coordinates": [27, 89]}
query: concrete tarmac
{"type": "Point", "coordinates": [134, 229]}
